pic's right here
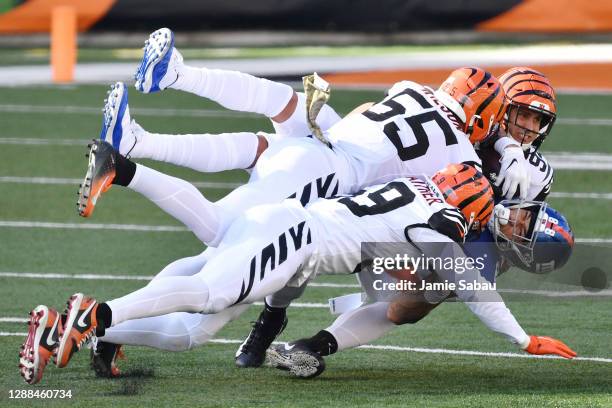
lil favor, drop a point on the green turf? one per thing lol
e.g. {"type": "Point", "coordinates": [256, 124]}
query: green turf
{"type": "Point", "coordinates": [206, 376]}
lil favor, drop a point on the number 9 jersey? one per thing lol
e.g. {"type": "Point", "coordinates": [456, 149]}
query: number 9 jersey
{"type": "Point", "coordinates": [382, 213]}
{"type": "Point", "coordinates": [409, 132]}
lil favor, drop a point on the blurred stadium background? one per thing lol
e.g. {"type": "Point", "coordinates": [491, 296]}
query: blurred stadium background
{"type": "Point", "coordinates": [360, 47]}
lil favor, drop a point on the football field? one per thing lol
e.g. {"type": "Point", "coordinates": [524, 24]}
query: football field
{"type": "Point", "coordinates": [47, 253]}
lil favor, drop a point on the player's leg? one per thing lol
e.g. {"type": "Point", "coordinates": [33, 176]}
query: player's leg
{"type": "Point", "coordinates": [173, 332]}
{"type": "Point", "coordinates": [261, 253]}
{"type": "Point", "coordinates": [175, 196]}
{"type": "Point", "coordinates": [270, 324]}
{"type": "Point", "coordinates": [162, 67]}
{"type": "Point", "coordinates": [288, 165]}
{"type": "Point", "coordinates": [178, 331]}
{"type": "Point", "coordinates": [201, 152]}
{"type": "Point", "coordinates": [303, 358]}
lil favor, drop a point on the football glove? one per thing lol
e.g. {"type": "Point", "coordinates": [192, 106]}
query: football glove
{"type": "Point", "coordinates": [513, 173]}
{"type": "Point", "coordinates": [547, 345]}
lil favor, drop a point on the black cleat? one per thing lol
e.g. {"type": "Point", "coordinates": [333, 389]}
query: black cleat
{"type": "Point", "coordinates": [296, 358]}
{"type": "Point", "coordinates": [104, 359]}
{"type": "Point", "coordinates": [252, 352]}
{"type": "Point", "coordinates": [99, 177]}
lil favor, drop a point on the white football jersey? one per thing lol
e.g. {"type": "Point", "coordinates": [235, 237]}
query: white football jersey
{"type": "Point", "coordinates": [409, 132]}
{"type": "Point", "coordinates": [379, 213]}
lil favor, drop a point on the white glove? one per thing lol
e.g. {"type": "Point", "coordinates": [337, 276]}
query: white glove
{"type": "Point", "coordinates": [514, 172]}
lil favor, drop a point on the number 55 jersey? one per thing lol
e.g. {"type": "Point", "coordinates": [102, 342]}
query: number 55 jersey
{"type": "Point", "coordinates": [409, 132]}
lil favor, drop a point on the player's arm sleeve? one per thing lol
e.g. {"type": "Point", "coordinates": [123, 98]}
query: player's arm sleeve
{"type": "Point", "coordinates": [498, 318]}
{"type": "Point", "coordinates": [487, 305]}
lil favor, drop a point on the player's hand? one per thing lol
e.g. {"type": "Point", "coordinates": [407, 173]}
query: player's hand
{"type": "Point", "coordinates": [513, 173]}
{"type": "Point", "coordinates": [547, 345]}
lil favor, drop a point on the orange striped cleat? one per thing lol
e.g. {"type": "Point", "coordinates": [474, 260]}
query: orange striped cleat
{"type": "Point", "coordinates": [40, 345]}
{"type": "Point", "coordinates": [468, 190]}
{"type": "Point", "coordinates": [79, 328]}
{"type": "Point", "coordinates": [99, 177]}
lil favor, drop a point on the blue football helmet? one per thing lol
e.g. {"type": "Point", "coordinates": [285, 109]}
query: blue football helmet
{"type": "Point", "coordinates": [531, 235]}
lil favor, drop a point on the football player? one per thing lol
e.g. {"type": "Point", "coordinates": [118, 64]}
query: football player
{"type": "Point", "coordinates": [534, 236]}
{"type": "Point", "coordinates": [529, 118]}
{"type": "Point", "coordinates": [273, 245]}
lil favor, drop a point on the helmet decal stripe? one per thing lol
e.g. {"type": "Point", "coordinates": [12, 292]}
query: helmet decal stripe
{"type": "Point", "coordinates": [537, 92]}
{"type": "Point", "coordinates": [522, 72]}
{"type": "Point", "coordinates": [483, 81]}
{"type": "Point", "coordinates": [487, 101]}
{"type": "Point", "coordinates": [473, 198]}
{"type": "Point", "coordinates": [546, 84]}
{"type": "Point", "coordinates": [563, 233]}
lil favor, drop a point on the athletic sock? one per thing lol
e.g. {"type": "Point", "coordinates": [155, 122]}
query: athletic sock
{"type": "Point", "coordinates": [202, 152]}
{"type": "Point", "coordinates": [361, 326]}
{"type": "Point", "coordinates": [274, 317]}
{"type": "Point", "coordinates": [124, 171]}
{"type": "Point", "coordinates": [235, 90]}
{"type": "Point", "coordinates": [323, 343]}
{"type": "Point", "coordinates": [104, 317]}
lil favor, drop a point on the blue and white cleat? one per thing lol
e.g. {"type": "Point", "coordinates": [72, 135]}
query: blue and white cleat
{"type": "Point", "coordinates": [160, 62]}
{"type": "Point", "coordinates": [116, 120]}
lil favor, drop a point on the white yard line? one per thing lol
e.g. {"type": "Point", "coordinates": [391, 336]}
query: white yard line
{"type": "Point", "coordinates": [88, 226]}
{"type": "Point", "coordinates": [405, 349]}
{"type": "Point", "coordinates": [91, 110]}
{"type": "Point", "coordinates": [221, 185]}
{"type": "Point", "coordinates": [33, 141]}
{"type": "Point", "coordinates": [155, 228]}
{"type": "Point", "coordinates": [565, 194]}
{"type": "Point", "coordinates": [207, 113]}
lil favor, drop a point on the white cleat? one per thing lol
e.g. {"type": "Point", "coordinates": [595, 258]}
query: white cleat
{"type": "Point", "coordinates": [160, 63]}
{"type": "Point", "coordinates": [116, 127]}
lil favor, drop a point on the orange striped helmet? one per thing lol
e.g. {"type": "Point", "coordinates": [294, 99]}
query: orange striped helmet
{"type": "Point", "coordinates": [477, 98]}
{"type": "Point", "coordinates": [467, 189]}
{"type": "Point", "coordinates": [527, 88]}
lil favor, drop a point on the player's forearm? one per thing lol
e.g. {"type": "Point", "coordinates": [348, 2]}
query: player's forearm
{"type": "Point", "coordinates": [498, 318]}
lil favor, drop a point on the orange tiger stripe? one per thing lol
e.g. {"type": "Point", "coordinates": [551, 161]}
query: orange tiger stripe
{"type": "Point", "coordinates": [467, 189]}
{"type": "Point", "coordinates": [481, 97]}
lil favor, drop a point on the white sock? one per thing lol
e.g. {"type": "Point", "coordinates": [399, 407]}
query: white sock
{"type": "Point", "coordinates": [206, 152]}
{"type": "Point", "coordinates": [161, 296]}
{"type": "Point", "coordinates": [235, 90]}
{"type": "Point", "coordinates": [178, 331]}
{"type": "Point", "coordinates": [361, 326]}
{"type": "Point", "coordinates": [180, 199]}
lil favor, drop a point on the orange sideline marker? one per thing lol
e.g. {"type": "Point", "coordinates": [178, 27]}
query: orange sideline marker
{"type": "Point", "coordinates": [63, 43]}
